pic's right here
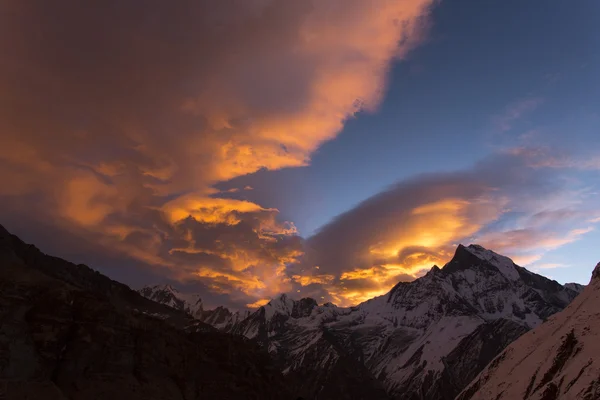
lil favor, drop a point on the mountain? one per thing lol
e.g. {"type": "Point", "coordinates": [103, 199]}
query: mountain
{"type": "Point", "coordinates": [220, 318]}
{"type": "Point", "coordinates": [68, 332]}
{"type": "Point", "coordinates": [575, 286]}
{"type": "Point", "coordinates": [559, 359]}
{"type": "Point", "coordinates": [169, 296]}
{"type": "Point", "coordinates": [425, 339]}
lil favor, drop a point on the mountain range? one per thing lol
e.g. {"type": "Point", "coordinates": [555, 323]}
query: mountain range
{"type": "Point", "coordinates": [425, 339]}
{"type": "Point", "coordinates": [478, 328]}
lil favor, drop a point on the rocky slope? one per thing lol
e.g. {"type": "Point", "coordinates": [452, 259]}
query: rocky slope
{"type": "Point", "coordinates": [560, 359]}
{"type": "Point", "coordinates": [67, 332]}
{"type": "Point", "coordinates": [425, 339]}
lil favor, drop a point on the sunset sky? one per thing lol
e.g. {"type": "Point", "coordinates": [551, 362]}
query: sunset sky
{"type": "Point", "coordinates": [326, 148]}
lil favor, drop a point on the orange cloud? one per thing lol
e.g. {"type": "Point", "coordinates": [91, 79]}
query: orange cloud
{"type": "Point", "coordinates": [395, 241]}
{"type": "Point", "coordinates": [258, 303]}
{"type": "Point", "coordinates": [399, 234]}
{"type": "Point", "coordinates": [209, 210]}
{"type": "Point", "coordinates": [124, 145]}
{"type": "Point", "coordinates": [313, 279]}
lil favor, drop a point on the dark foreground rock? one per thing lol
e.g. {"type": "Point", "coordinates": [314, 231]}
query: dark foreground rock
{"type": "Point", "coordinates": [67, 332]}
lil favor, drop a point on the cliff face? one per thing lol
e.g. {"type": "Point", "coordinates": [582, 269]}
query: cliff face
{"type": "Point", "coordinates": [85, 338]}
{"type": "Point", "coordinates": [560, 359]}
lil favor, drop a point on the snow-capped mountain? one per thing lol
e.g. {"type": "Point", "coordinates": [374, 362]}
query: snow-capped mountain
{"type": "Point", "coordinates": [560, 359]}
{"type": "Point", "coordinates": [425, 339]}
{"type": "Point", "coordinates": [169, 296]}
{"type": "Point", "coordinates": [220, 317]}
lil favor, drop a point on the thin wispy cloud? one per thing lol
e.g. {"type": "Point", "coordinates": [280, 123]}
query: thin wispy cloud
{"type": "Point", "coordinates": [504, 121]}
{"type": "Point", "coordinates": [547, 157]}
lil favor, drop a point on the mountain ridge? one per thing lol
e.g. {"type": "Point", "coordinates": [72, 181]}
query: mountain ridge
{"type": "Point", "coordinates": [475, 251]}
{"type": "Point", "coordinates": [408, 338]}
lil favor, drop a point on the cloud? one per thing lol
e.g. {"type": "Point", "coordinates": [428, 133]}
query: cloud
{"type": "Point", "coordinates": [501, 202]}
{"type": "Point", "coordinates": [258, 303]}
{"type": "Point", "coordinates": [515, 111]}
{"type": "Point", "coordinates": [118, 120]}
{"type": "Point", "coordinates": [530, 239]}
{"type": "Point", "coordinates": [539, 267]}
{"type": "Point", "coordinates": [546, 157]}
{"type": "Point", "coordinates": [115, 141]}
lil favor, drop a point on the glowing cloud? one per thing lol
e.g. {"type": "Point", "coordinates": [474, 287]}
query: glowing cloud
{"type": "Point", "coordinates": [399, 234]}
{"type": "Point", "coordinates": [123, 144]}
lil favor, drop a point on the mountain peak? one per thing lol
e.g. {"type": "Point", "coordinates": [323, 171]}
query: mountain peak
{"type": "Point", "coordinates": [170, 288]}
{"type": "Point", "coordinates": [474, 254]}
{"type": "Point", "coordinates": [574, 286]}
{"type": "Point", "coordinates": [283, 304]}
{"type": "Point", "coordinates": [434, 270]}
{"type": "Point", "coordinates": [170, 296]}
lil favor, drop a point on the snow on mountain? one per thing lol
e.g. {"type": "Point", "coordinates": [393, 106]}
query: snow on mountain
{"type": "Point", "coordinates": [168, 295]}
{"type": "Point", "coordinates": [464, 313]}
{"type": "Point", "coordinates": [279, 305]}
{"type": "Point", "coordinates": [425, 339]}
{"type": "Point", "coordinates": [504, 264]}
{"type": "Point", "coordinates": [223, 319]}
{"type": "Point", "coordinates": [220, 317]}
{"type": "Point", "coordinates": [560, 359]}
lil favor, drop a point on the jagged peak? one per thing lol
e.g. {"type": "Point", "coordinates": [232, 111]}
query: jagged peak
{"type": "Point", "coordinates": [281, 298]}
{"type": "Point", "coordinates": [467, 257]}
{"type": "Point", "coordinates": [434, 270]}
{"type": "Point", "coordinates": [169, 295]}
{"type": "Point", "coordinates": [285, 305]}
{"type": "Point", "coordinates": [285, 298]}
{"type": "Point", "coordinates": [161, 287]}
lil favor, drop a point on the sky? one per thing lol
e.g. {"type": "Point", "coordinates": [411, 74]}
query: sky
{"type": "Point", "coordinates": [245, 148]}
